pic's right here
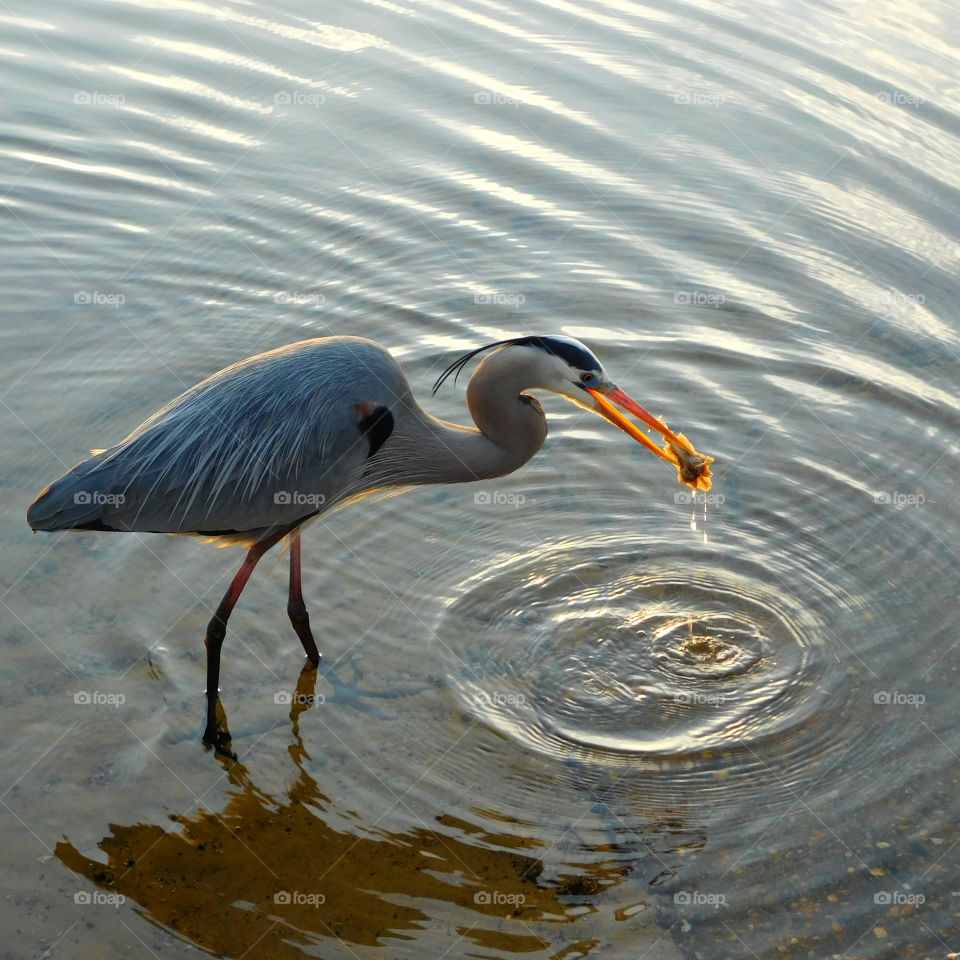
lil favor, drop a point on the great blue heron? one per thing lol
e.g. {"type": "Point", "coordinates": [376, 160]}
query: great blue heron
{"type": "Point", "coordinates": [253, 452]}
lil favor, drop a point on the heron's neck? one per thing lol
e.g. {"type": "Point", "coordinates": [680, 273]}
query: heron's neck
{"type": "Point", "coordinates": [468, 453]}
{"type": "Point", "coordinates": [510, 429]}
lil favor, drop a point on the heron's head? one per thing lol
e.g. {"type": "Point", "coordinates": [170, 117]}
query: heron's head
{"type": "Point", "coordinates": [565, 366]}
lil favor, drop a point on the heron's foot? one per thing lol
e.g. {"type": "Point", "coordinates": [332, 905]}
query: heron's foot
{"type": "Point", "coordinates": [216, 733]}
{"type": "Point", "coordinates": [300, 620]}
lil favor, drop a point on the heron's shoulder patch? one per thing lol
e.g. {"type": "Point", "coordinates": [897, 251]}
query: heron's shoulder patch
{"type": "Point", "coordinates": [375, 423]}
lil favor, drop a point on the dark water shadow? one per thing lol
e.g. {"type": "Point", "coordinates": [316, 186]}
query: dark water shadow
{"type": "Point", "coordinates": [269, 877]}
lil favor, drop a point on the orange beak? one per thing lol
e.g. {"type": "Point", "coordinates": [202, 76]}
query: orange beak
{"type": "Point", "coordinates": [694, 469]}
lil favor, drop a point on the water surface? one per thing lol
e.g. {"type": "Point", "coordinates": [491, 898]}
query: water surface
{"type": "Point", "coordinates": [570, 712]}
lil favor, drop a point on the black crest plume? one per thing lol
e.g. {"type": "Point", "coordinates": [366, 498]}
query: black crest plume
{"type": "Point", "coordinates": [567, 349]}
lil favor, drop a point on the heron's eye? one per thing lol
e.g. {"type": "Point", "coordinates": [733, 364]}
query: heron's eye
{"type": "Point", "coordinates": [587, 377]}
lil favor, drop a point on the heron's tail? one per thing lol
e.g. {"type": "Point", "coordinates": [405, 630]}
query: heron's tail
{"type": "Point", "coordinates": [74, 502]}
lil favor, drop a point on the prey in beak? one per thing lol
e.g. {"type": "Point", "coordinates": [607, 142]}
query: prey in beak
{"type": "Point", "coordinates": [692, 467]}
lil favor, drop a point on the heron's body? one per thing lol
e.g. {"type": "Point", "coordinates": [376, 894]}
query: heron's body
{"type": "Point", "coordinates": [275, 440]}
{"type": "Point", "coordinates": [256, 450]}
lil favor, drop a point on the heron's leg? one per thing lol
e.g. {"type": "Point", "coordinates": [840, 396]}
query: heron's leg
{"type": "Point", "coordinates": [217, 629]}
{"type": "Point", "coordinates": [296, 608]}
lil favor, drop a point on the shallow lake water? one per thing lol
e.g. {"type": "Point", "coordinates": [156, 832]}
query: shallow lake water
{"type": "Point", "coordinates": [570, 712]}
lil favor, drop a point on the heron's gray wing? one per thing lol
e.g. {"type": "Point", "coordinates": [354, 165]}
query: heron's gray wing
{"type": "Point", "coordinates": [235, 488]}
{"type": "Point", "coordinates": [245, 487]}
{"type": "Point", "coordinates": [262, 444]}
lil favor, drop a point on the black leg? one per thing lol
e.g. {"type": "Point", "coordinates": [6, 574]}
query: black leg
{"type": "Point", "coordinates": [216, 630]}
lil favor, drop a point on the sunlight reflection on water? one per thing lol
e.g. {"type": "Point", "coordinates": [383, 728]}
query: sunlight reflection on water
{"type": "Point", "coordinates": [620, 704]}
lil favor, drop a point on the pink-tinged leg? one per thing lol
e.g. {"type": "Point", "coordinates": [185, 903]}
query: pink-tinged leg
{"type": "Point", "coordinates": [217, 629]}
{"type": "Point", "coordinates": [296, 608]}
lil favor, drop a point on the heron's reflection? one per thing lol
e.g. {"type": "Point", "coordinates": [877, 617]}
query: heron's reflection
{"type": "Point", "coordinates": [217, 736]}
{"type": "Point", "coordinates": [269, 876]}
